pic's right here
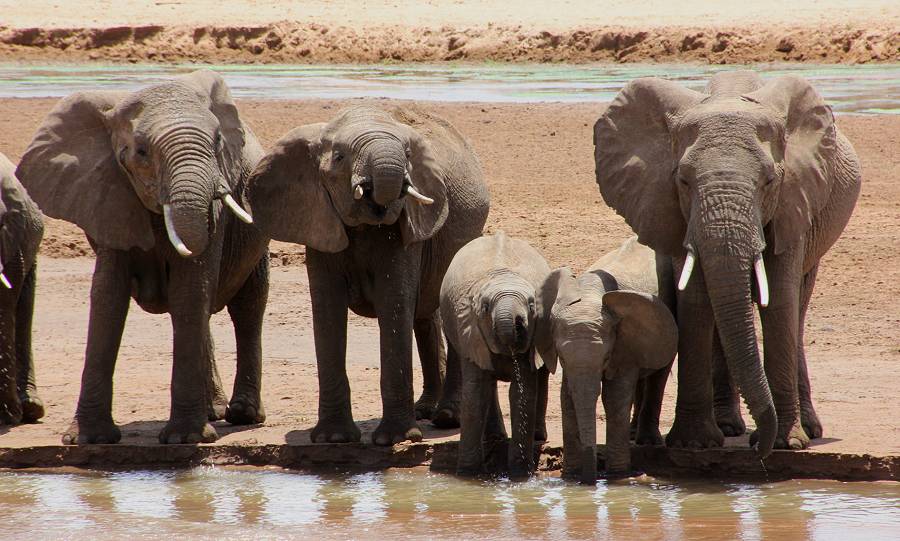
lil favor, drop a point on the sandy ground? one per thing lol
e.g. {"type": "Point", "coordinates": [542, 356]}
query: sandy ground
{"type": "Point", "coordinates": [730, 31]}
{"type": "Point", "coordinates": [538, 161]}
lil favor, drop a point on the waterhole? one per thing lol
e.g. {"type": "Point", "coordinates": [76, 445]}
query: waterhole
{"type": "Point", "coordinates": [210, 502]}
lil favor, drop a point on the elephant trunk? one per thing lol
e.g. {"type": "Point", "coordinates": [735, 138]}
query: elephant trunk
{"type": "Point", "coordinates": [727, 252]}
{"type": "Point", "coordinates": [387, 162]}
{"type": "Point", "coordinates": [510, 317]}
{"type": "Point", "coordinates": [584, 390]}
{"type": "Point", "coordinates": [192, 173]}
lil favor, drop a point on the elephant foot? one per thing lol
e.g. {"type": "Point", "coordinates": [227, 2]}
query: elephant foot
{"type": "Point", "coordinates": [730, 422]}
{"type": "Point", "coordinates": [694, 432]}
{"type": "Point", "coordinates": [217, 409]}
{"type": "Point", "coordinates": [540, 433]}
{"type": "Point", "coordinates": [32, 408]}
{"type": "Point", "coordinates": [187, 431]}
{"type": "Point", "coordinates": [335, 430]}
{"type": "Point", "coordinates": [795, 439]}
{"type": "Point", "coordinates": [446, 416]}
{"type": "Point", "coordinates": [391, 431]}
{"type": "Point", "coordinates": [10, 410]}
{"type": "Point", "coordinates": [426, 406]}
{"type": "Point", "coordinates": [85, 431]}
{"type": "Point", "coordinates": [649, 435]}
{"type": "Point", "coordinates": [810, 422]}
{"type": "Point", "coordinates": [244, 410]}
{"type": "Point", "coordinates": [519, 470]}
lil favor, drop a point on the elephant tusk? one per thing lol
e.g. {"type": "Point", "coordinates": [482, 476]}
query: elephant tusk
{"type": "Point", "coordinates": [4, 281]}
{"type": "Point", "coordinates": [762, 282]}
{"type": "Point", "coordinates": [410, 190]}
{"type": "Point", "coordinates": [358, 192]}
{"type": "Point", "coordinates": [173, 235]}
{"type": "Point", "coordinates": [356, 182]}
{"type": "Point", "coordinates": [241, 213]}
{"type": "Point", "coordinates": [687, 269]}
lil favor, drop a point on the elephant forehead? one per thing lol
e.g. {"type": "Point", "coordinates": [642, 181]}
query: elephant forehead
{"type": "Point", "coordinates": [502, 281]}
{"type": "Point", "coordinates": [731, 115]}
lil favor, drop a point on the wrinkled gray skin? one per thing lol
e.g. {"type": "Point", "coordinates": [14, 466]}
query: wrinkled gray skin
{"type": "Point", "coordinates": [108, 162]}
{"type": "Point", "coordinates": [21, 230]}
{"type": "Point", "coordinates": [494, 323]}
{"type": "Point", "coordinates": [341, 189]}
{"type": "Point", "coordinates": [610, 329]}
{"type": "Point", "coordinates": [745, 169]}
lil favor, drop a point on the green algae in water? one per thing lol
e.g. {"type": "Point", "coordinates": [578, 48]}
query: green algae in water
{"type": "Point", "coordinates": [212, 502]}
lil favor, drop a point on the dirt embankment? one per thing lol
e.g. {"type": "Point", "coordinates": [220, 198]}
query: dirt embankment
{"type": "Point", "coordinates": [290, 42]}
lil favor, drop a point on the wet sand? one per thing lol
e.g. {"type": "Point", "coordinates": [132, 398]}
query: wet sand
{"type": "Point", "coordinates": [245, 31]}
{"type": "Point", "coordinates": [538, 161]}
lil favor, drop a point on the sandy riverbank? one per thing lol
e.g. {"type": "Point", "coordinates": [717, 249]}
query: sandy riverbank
{"type": "Point", "coordinates": [829, 31]}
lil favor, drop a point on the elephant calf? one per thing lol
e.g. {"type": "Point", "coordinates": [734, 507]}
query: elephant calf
{"type": "Point", "coordinates": [153, 178]}
{"type": "Point", "coordinates": [609, 328]}
{"type": "Point", "coordinates": [21, 230]}
{"type": "Point", "coordinates": [494, 321]}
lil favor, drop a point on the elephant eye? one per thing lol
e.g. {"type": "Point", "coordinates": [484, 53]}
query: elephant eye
{"type": "Point", "coordinates": [485, 306]}
{"type": "Point", "coordinates": [408, 152]}
{"type": "Point", "coordinates": [217, 140]}
{"type": "Point", "coordinates": [141, 151]}
{"type": "Point", "coordinates": [338, 157]}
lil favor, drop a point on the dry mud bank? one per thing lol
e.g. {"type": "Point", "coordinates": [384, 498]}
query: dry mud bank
{"type": "Point", "coordinates": [315, 43]}
{"type": "Point", "coordinates": [538, 162]}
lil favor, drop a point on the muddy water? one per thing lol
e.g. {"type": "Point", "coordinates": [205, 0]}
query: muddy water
{"type": "Point", "coordinates": [210, 502]}
{"type": "Point", "coordinates": [850, 89]}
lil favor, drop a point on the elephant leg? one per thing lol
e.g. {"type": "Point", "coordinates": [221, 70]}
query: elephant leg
{"type": "Point", "coordinates": [328, 293]}
{"type": "Point", "coordinates": [618, 396]}
{"type": "Point", "coordinates": [780, 323]}
{"type": "Point", "coordinates": [476, 395]}
{"type": "Point", "coordinates": [726, 400]}
{"type": "Point", "coordinates": [395, 305]}
{"type": "Point", "coordinates": [216, 402]}
{"type": "Point", "coordinates": [654, 388]}
{"type": "Point", "coordinates": [32, 406]}
{"type": "Point", "coordinates": [110, 295]}
{"type": "Point", "coordinates": [809, 420]}
{"type": "Point", "coordinates": [494, 430]}
{"type": "Point", "coordinates": [433, 358]}
{"type": "Point", "coordinates": [247, 309]}
{"type": "Point", "coordinates": [10, 405]}
{"type": "Point", "coordinates": [695, 425]}
{"type": "Point", "coordinates": [523, 392]}
{"type": "Point", "coordinates": [572, 455]}
{"type": "Point", "coordinates": [191, 284]}
{"type": "Point", "coordinates": [540, 424]}
{"type": "Point", "coordinates": [447, 413]}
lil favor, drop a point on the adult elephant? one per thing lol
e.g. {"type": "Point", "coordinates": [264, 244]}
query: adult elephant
{"type": "Point", "coordinates": [21, 230]}
{"type": "Point", "coordinates": [147, 176]}
{"type": "Point", "coordinates": [382, 200]}
{"type": "Point", "coordinates": [744, 178]}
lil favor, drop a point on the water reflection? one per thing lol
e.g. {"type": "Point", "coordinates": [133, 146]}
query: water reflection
{"type": "Point", "coordinates": [849, 88]}
{"type": "Point", "coordinates": [408, 503]}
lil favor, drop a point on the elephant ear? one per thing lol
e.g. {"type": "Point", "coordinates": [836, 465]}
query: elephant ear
{"type": "Point", "coordinates": [429, 176]}
{"type": "Point", "coordinates": [287, 201]}
{"type": "Point", "coordinates": [557, 283]}
{"type": "Point", "coordinates": [633, 153]}
{"type": "Point", "coordinates": [646, 333]}
{"type": "Point", "coordinates": [70, 171]}
{"type": "Point", "coordinates": [472, 344]}
{"type": "Point", "coordinates": [810, 142]}
{"type": "Point", "coordinates": [212, 89]}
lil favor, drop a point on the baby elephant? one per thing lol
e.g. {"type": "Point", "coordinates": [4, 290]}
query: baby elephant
{"type": "Point", "coordinates": [21, 230]}
{"type": "Point", "coordinates": [609, 326]}
{"type": "Point", "coordinates": [493, 321]}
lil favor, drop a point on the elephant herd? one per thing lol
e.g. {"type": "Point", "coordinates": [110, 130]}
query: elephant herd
{"type": "Point", "coordinates": [734, 193]}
